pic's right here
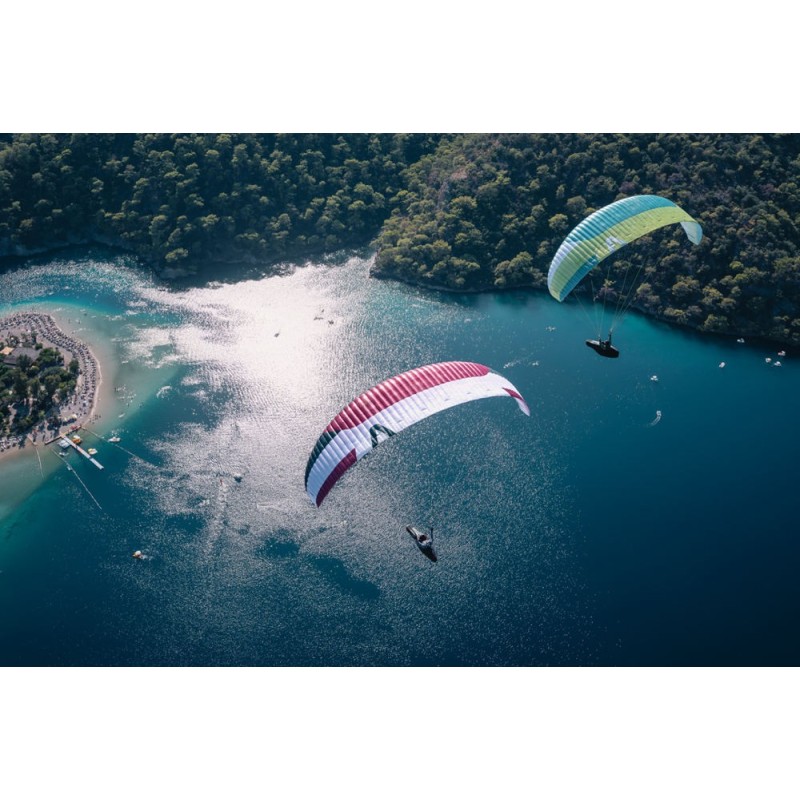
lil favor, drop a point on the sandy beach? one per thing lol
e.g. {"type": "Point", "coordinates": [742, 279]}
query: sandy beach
{"type": "Point", "coordinates": [91, 396]}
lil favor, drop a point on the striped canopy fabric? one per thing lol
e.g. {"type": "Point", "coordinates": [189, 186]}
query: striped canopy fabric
{"type": "Point", "coordinates": [392, 406]}
{"type": "Point", "coordinates": [608, 229]}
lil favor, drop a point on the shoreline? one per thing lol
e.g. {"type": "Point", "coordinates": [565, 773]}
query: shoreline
{"type": "Point", "coordinates": [729, 334]}
{"type": "Point", "coordinates": [174, 276]}
{"type": "Point", "coordinates": [86, 403]}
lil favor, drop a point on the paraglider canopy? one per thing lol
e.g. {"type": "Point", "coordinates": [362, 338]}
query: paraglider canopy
{"type": "Point", "coordinates": [606, 231]}
{"type": "Point", "coordinates": [598, 236]}
{"type": "Point", "coordinates": [392, 406]}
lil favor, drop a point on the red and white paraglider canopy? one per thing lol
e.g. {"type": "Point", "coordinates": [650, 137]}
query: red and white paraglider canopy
{"type": "Point", "coordinates": [390, 407]}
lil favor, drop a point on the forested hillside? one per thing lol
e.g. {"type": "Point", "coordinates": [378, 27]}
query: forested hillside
{"type": "Point", "coordinates": [490, 212]}
{"type": "Point", "coordinates": [464, 212]}
{"type": "Point", "coordinates": [174, 200]}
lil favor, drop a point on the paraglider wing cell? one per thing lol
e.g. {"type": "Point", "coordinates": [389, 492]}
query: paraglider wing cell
{"type": "Point", "coordinates": [392, 406]}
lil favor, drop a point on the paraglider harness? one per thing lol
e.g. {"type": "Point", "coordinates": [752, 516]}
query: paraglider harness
{"type": "Point", "coordinates": [424, 541]}
{"type": "Point", "coordinates": [603, 347]}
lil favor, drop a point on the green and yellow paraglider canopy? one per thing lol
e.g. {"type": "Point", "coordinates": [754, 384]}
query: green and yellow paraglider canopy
{"type": "Point", "coordinates": [609, 229]}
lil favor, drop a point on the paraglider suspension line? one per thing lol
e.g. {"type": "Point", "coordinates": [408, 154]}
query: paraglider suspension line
{"type": "Point", "coordinates": [595, 318]}
{"type": "Point", "coordinates": [626, 296]}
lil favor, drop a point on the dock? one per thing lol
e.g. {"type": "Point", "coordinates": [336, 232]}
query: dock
{"type": "Point", "coordinates": [63, 441]}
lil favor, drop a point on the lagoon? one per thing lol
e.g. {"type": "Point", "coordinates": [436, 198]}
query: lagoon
{"type": "Point", "coordinates": [583, 535]}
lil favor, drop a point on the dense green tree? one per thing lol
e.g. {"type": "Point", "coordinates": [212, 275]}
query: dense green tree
{"type": "Point", "coordinates": [175, 200]}
{"type": "Point", "coordinates": [31, 388]}
{"type": "Point", "coordinates": [468, 212]}
{"type": "Point", "coordinates": [521, 193]}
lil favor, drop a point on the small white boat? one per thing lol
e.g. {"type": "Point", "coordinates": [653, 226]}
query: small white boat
{"type": "Point", "coordinates": [92, 451]}
{"type": "Point", "coordinates": [740, 340]}
{"type": "Point", "coordinates": [654, 378]}
{"type": "Point", "coordinates": [114, 439]}
{"type": "Point", "coordinates": [768, 360]}
{"type": "Point", "coordinates": [777, 364]}
{"type": "Point", "coordinates": [721, 364]}
{"type": "Point", "coordinates": [781, 353]}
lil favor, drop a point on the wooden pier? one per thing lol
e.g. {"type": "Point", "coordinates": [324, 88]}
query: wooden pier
{"type": "Point", "coordinates": [69, 441]}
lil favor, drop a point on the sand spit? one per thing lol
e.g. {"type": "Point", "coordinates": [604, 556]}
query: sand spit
{"type": "Point", "coordinates": [78, 409]}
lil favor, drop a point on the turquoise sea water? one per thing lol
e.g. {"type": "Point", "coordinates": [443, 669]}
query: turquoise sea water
{"type": "Point", "coordinates": [581, 535]}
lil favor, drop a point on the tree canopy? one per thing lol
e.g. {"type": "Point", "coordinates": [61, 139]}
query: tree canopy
{"type": "Point", "coordinates": [489, 211]}
{"type": "Point", "coordinates": [465, 212]}
{"type": "Point", "coordinates": [31, 388]}
{"type": "Point", "coordinates": [176, 199]}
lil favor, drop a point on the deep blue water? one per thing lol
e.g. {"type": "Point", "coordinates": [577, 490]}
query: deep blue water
{"type": "Point", "coordinates": [580, 535]}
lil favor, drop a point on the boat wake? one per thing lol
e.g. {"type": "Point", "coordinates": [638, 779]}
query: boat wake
{"type": "Point", "coordinates": [517, 361]}
{"type": "Point", "coordinates": [656, 420]}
